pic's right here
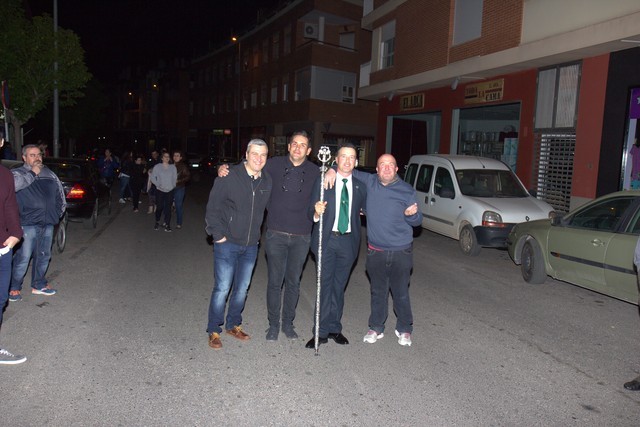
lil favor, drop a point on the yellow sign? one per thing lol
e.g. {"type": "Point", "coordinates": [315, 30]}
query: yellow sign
{"type": "Point", "coordinates": [412, 102]}
{"type": "Point", "coordinates": [484, 92]}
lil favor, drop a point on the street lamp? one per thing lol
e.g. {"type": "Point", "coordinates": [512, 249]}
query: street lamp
{"type": "Point", "coordinates": [239, 105]}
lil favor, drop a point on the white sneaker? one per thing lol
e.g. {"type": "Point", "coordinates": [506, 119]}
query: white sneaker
{"type": "Point", "coordinates": [404, 338]}
{"type": "Point", "coordinates": [122, 201]}
{"type": "Point", "coordinates": [372, 336]}
{"type": "Point", "coordinates": [7, 358]}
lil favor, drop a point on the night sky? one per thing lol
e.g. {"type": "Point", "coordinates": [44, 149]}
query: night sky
{"type": "Point", "coordinates": [117, 33]}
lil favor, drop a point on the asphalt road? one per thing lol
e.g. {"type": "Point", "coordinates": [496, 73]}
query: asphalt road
{"type": "Point", "coordinates": [124, 343]}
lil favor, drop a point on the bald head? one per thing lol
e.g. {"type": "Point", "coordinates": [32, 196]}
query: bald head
{"type": "Point", "coordinates": [387, 169]}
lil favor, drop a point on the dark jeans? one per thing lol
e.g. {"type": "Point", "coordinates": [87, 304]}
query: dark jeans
{"type": "Point", "coordinates": [5, 280]}
{"type": "Point", "coordinates": [163, 204]}
{"type": "Point", "coordinates": [286, 254]}
{"type": "Point", "coordinates": [390, 271]}
{"type": "Point", "coordinates": [178, 198]}
{"type": "Point", "coordinates": [36, 244]}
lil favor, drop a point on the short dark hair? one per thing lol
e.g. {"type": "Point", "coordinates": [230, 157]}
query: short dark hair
{"type": "Point", "coordinates": [302, 133]}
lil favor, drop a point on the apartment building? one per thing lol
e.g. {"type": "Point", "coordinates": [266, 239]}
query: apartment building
{"type": "Point", "coordinates": [551, 87]}
{"type": "Point", "coordinates": [296, 70]}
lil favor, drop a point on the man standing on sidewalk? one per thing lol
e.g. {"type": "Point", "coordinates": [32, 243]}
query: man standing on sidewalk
{"type": "Point", "coordinates": [10, 234]}
{"type": "Point", "coordinates": [42, 203]}
{"type": "Point", "coordinates": [234, 214]}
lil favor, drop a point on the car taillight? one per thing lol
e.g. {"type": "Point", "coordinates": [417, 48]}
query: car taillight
{"type": "Point", "coordinates": [492, 219]}
{"type": "Point", "coordinates": [76, 192]}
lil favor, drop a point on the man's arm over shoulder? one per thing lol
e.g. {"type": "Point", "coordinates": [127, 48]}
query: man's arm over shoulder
{"type": "Point", "coordinates": [22, 178]}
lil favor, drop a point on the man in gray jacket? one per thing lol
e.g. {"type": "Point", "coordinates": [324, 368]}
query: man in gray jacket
{"type": "Point", "coordinates": [233, 218]}
{"type": "Point", "coordinates": [42, 202]}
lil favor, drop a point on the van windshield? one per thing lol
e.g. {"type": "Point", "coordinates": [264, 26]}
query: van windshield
{"type": "Point", "coordinates": [489, 183]}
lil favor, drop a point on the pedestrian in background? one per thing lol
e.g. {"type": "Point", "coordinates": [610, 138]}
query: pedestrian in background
{"type": "Point", "coordinates": [107, 166]}
{"type": "Point", "coordinates": [124, 176]}
{"type": "Point", "coordinates": [138, 180]}
{"type": "Point", "coordinates": [151, 189]}
{"type": "Point", "coordinates": [340, 242]}
{"type": "Point", "coordinates": [42, 202]}
{"type": "Point", "coordinates": [234, 215]}
{"type": "Point", "coordinates": [10, 235]}
{"type": "Point", "coordinates": [183, 177]}
{"type": "Point", "coordinates": [164, 176]}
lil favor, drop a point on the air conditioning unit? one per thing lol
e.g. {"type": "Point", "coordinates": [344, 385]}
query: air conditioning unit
{"type": "Point", "coordinates": [310, 31]}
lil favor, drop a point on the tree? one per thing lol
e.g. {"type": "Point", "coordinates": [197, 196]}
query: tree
{"type": "Point", "coordinates": [29, 53]}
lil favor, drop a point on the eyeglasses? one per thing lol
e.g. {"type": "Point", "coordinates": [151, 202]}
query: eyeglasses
{"type": "Point", "coordinates": [292, 182]}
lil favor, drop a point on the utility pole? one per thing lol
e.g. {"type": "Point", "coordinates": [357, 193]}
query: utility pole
{"type": "Point", "coordinates": [56, 102]}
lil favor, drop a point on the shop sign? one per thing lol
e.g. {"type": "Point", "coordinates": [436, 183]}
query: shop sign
{"type": "Point", "coordinates": [634, 108]}
{"type": "Point", "coordinates": [484, 92]}
{"type": "Point", "coordinates": [412, 102]}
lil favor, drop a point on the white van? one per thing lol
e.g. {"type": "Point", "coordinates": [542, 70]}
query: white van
{"type": "Point", "coordinates": [474, 200]}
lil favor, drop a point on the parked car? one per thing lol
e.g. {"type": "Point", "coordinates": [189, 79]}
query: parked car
{"type": "Point", "coordinates": [87, 193]}
{"type": "Point", "coordinates": [60, 230]}
{"type": "Point", "coordinates": [194, 161]}
{"type": "Point", "coordinates": [591, 247]}
{"type": "Point", "coordinates": [210, 165]}
{"type": "Point", "coordinates": [474, 200]}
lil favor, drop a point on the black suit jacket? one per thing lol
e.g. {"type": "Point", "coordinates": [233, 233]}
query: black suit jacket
{"type": "Point", "coordinates": [352, 240]}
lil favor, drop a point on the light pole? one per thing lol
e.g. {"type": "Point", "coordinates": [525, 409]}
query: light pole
{"type": "Point", "coordinates": [239, 106]}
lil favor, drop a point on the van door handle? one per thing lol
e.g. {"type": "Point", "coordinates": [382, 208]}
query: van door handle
{"type": "Point", "coordinates": [433, 200]}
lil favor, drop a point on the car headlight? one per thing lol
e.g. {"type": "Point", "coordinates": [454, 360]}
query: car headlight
{"type": "Point", "coordinates": [492, 219]}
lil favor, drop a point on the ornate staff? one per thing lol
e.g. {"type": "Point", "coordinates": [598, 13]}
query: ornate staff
{"type": "Point", "coordinates": [323, 155]}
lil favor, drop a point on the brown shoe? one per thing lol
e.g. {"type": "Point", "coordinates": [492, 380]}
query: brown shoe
{"type": "Point", "coordinates": [214, 341]}
{"type": "Point", "coordinates": [237, 332]}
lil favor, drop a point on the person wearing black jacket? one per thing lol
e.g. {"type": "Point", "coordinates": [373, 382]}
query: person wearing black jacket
{"type": "Point", "coordinates": [138, 180]}
{"type": "Point", "coordinates": [234, 215]}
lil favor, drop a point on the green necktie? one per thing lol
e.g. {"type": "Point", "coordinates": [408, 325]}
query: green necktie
{"type": "Point", "coordinates": [343, 217]}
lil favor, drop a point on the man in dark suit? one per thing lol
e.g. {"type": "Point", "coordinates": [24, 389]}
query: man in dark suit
{"type": "Point", "coordinates": [340, 241]}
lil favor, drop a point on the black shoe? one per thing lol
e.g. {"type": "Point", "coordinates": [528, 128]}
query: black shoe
{"type": "Point", "coordinates": [312, 342]}
{"type": "Point", "coordinates": [290, 332]}
{"type": "Point", "coordinates": [633, 385]}
{"type": "Point", "coordinates": [339, 338]}
{"type": "Point", "coordinates": [155, 227]}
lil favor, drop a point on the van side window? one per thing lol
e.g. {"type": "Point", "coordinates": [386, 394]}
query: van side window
{"type": "Point", "coordinates": [443, 182]}
{"type": "Point", "coordinates": [410, 174]}
{"type": "Point", "coordinates": [424, 178]}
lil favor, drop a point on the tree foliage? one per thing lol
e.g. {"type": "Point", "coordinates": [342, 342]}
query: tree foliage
{"type": "Point", "coordinates": [29, 52]}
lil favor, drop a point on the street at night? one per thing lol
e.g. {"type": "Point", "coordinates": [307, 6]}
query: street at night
{"type": "Point", "coordinates": [124, 343]}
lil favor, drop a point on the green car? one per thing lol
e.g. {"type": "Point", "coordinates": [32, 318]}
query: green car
{"type": "Point", "coordinates": [591, 247]}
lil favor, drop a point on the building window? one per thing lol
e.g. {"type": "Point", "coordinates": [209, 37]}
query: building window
{"type": "Point", "coordinates": [276, 46]}
{"type": "Point", "coordinates": [285, 88]}
{"type": "Point", "coordinates": [191, 108]}
{"type": "Point", "coordinates": [254, 98]}
{"type": "Point", "coordinates": [274, 91]}
{"type": "Point", "coordinates": [263, 94]}
{"type": "Point", "coordinates": [347, 94]}
{"type": "Point", "coordinates": [287, 41]}
{"type": "Point", "coordinates": [557, 97]}
{"type": "Point", "coordinates": [265, 51]}
{"type": "Point", "coordinates": [387, 45]}
{"type": "Point", "coordinates": [467, 22]}
{"type": "Point", "coordinates": [256, 56]}
{"type": "Point", "coordinates": [348, 40]}
{"type": "Point", "coordinates": [303, 84]}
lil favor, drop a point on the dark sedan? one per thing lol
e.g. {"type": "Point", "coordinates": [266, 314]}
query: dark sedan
{"type": "Point", "coordinates": [86, 192]}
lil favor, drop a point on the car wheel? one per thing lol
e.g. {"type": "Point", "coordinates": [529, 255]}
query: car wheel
{"type": "Point", "coordinates": [60, 238]}
{"type": "Point", "coordinates": [532, 263]}
{"type": "Point", "coordinates": [468, 241]}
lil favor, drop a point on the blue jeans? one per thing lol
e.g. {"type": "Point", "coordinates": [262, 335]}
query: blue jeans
{"type": "Point", "coordinates": [286, 254]}
{"type": "Point", "coordinates": [36, 242]}
{"type": "Point", "coordinates": [178, 199]}
{"type": "Point", "coordinates": [125, 191]}
{"type": "Point", "coordinates": [5, 280]}
{"type": "Point", "coordinates": [390, 271]}
{"type": "Point", "coordinates": [232, 267]}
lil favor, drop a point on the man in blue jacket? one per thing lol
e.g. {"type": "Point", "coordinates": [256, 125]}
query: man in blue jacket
{"type": "Point", "coordinates": [234, 214]}
{"type": "Point", "coordinates": [42, 203]}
